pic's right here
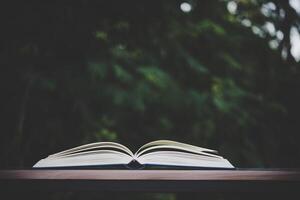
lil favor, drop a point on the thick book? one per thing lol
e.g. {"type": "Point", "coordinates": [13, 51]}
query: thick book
{"type": "Point", "coordinates": [157, 154]}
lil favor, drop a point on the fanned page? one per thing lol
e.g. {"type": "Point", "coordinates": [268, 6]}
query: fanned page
{"type": "Point", "coordinates": [177, 146]}
{"type": "Point", "coordinates": [92, 146]}
{"type": "Point", "coordinates": [174, 143]}
{"type": "Point", "coordinates": [171, 153]}
{"type": "Point", "coordinates": [89, 155]}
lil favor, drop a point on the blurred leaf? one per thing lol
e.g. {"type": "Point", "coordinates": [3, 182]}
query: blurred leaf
{"type": "Point", "coordinates": [155, 76]}
{"type": "Point", "coordinates": [101, 35]}
{"type": "Point", "coordinates": [106, 135]}
{"type": "Point", "coordinates": [193, 63]}
{"type": "Point", "coordinates": [208, 26]}
{"type": "Point", "coordinates": [122, 74]}
{"type": "Point", "coordinates": [231, 61]}
{"type": "Point", "coordinates": [97, 70]}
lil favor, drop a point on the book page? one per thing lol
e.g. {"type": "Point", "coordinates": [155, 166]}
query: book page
{"type": "Point", "coordinates": [93, 146]}
{"type": "Point", "coordinates": [168, 144]}
{"type": "Point", "coordinates": [90, 158]}
{"type": "Point", "coordinates": [182, 159]}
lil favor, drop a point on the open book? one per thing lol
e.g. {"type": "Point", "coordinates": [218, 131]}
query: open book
{"type": "Point", "coordinates": [162, 153]}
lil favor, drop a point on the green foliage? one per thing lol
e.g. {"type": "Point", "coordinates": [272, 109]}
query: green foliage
{"type": "Point", "coordinates": [133, 72]}
{"type": "Point", "coordinates": [209, 26]}
{"type": "Point", "coordinates": [156, 77]}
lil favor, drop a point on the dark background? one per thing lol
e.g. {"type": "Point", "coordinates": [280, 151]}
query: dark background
{"type": "Point", "coordinates": [220, 76]}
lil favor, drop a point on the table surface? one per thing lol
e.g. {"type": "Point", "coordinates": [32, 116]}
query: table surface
{"type": "Point", "coordinates": [221, 175]}
{"type": "Point", "coordinates": [267, 180]}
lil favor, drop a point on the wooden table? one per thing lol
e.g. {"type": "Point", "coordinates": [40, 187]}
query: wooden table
{"type": "Point", "coordinates": [208, 181]}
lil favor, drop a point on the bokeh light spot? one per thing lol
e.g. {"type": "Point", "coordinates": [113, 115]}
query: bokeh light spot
{"type": "Point", "coordinates": [186, 7]}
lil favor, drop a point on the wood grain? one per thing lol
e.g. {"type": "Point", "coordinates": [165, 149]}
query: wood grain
{"type": "Point", "coordinates": [239, 175]}
{"type": "Point", "coordinates": [262, 181]}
